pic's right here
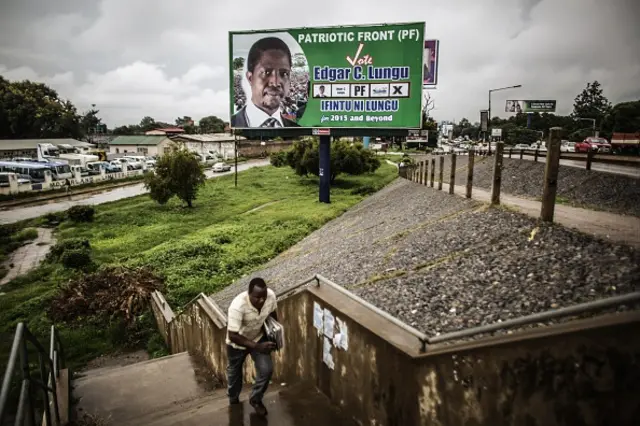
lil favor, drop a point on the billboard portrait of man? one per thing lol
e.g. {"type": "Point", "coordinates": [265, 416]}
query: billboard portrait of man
{"type": "Point", "coordinates": [269, 75]}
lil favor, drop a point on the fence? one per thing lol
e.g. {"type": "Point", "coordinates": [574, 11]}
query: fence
{"type": "Point", "coordinates": [424, 172]}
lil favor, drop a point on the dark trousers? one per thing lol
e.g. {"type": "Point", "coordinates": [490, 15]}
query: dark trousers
{"type": "Point", "coordinates": [264, 370]}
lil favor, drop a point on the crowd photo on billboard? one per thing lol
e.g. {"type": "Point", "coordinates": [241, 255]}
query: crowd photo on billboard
{"type": "Point", "coordinates": [270, 80]}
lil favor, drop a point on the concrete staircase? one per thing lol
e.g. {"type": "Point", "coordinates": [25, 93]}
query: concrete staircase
{"type": "Point", "coordinates": [167, 391]}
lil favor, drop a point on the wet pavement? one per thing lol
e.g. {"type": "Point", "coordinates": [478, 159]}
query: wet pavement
{"type": "Point", "coordinates": [30, 211]}
{"type": "Point", "coordinates": [28, 256]}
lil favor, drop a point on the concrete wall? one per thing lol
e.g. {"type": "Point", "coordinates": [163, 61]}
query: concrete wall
{"type": "Point", "coordinates": [253, 149]}
{"type": "Point", "coordinates": [584, 372]}
{"type": "Point", "coordinates": [133, 149]}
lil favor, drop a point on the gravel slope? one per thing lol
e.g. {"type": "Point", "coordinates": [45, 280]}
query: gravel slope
{"type": "Point", "coordinates": [577, 187]}
{"type": "Point", "coordinates": [443, 263]}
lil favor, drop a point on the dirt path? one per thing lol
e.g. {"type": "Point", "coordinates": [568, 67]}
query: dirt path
{"type": "Point", "coordinates": [609, 226]}
{"type": "Point", "coordinates": [28, 256]}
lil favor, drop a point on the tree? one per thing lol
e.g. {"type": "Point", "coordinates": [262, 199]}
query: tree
{"type": "Point", "coordinates": [178, 173]}
{"type": "Point", "coordinates": [211, 124]}
{"type": "Point", "coordinates": [624, 118]}
{"type": "Point", "coordinates": [148, 123]}
{"type": "Point", "coordinates": [346, 157]}
{"type": "Point", "coordinates": [238, 63]}
{"type": "Point", "coordinates": [34, 110]}
{"type": "Point", "coordinates": [591, 103]}
{"type": "Point", "coordinates": [90, 122]}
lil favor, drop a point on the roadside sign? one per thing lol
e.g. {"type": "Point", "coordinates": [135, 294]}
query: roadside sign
{"type": "Point", "coordinates": [321, 132]}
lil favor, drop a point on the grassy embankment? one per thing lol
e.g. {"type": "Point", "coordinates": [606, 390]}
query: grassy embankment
{"type": "Point", "coordinates": [230, 232]}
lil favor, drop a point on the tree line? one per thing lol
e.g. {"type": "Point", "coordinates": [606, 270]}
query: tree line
{"type": "Point", "coordinates": [589, 104]}
{"type": "Point", "coordinates": [32, 110]}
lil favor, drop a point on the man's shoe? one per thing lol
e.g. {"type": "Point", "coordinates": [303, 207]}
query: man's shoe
{"type": "Point", "coordinates": [234, 401]}
{"type": "Point", "coordinates": [259, 407]}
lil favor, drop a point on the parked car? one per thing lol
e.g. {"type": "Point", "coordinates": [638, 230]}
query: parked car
{"type": "Point", "coordinates": [566, 146]}
{"type": "Point", "coordinates": [221, 167]}
{"type": "Point", "coordinates": [584, 147]}
{"type": "Point", "coordinates": [599, 144]}
{"type": "Point", "coordinates": [95, 167]}
{"type": "Point", "coordinates": [522, 146]}
{"type": "Point", "coordinates": [123, 164]}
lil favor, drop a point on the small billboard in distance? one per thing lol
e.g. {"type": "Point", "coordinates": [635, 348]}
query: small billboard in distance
{"type": "Point", "coordinates": [529, 106]}
{"type": "Point", "coordinates": [431, 53]}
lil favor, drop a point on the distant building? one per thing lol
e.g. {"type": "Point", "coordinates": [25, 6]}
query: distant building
{"type": "Point", "coordinates": [166, 131]}
{"type": "Point", "coordinates": [221, 144]}
{"type": "Point", "coordinates": [10, 148]}
{"type": "Point", "coordinates": [140, 145]}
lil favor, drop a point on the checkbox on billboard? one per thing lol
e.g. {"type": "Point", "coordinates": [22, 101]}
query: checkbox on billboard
{"type": "Point", "coordinates": [322, 90]}
{"type": "Point", "coordinates": [380, 90]}
{"type": "Point", "coordinates": [360, 90]}
{"type": "Point", "coordinates": [399, 90]}
{"type": "Point", "coordinates": [340, 91]}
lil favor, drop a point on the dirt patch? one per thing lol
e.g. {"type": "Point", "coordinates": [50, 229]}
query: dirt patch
{"type": "Point", "coordinates": [28, 257]}
{"type": "Point", "coordinates": [117, 360]}
{"type": "Point", "coordinates": [110, 292]}
{"type": "Point", "coordinates": [205, 378]}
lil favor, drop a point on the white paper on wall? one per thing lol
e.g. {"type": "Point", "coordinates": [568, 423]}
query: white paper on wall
{"type": "Point", "coordinates": [341, 339]}
{"type": "Point", "coordinates": [326, 353]}
{"type": "Point", "coordinates": [329, 323]}
{"type": "Point", "coordinates": [317, 317]}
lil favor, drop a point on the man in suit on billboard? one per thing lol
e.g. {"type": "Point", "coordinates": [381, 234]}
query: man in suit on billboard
{"type": "Point", "coordinates": [269, 74]}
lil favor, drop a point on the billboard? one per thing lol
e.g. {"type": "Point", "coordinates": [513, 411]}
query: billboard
{"type": "Point", "coordinates": [496, 132]}
{"type": "Point", "coordinates": [331, 77]}
{"type": "Point", "coordinates": [431, 54]}
{"type": "Point", "coordinates": [484, 120]}
{"type": "Point", "coordinates": [530, 106]}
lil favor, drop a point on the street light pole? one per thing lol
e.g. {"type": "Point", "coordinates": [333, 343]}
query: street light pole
{"type": "Point", "coordinates": [489, 118]}
{"type": "Point", "coordinates": [593, 120]}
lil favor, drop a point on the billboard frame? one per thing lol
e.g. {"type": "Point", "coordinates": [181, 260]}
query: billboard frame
{"type": "Point", "coordinates": [293, 132]}
{"type": "Point", "coordinates": [436, 64]}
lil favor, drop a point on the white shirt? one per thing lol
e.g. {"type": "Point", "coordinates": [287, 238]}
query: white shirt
{"type": "Point", "coordinates": [256, 116]}
{"type": "Point", "coordinates": [246, 320]}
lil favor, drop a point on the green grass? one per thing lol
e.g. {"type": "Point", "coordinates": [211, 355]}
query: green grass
{"type": "Point", "coordinates": [229, 233]}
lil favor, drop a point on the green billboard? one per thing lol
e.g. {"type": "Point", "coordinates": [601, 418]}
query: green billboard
{"type": "Point", "coordinates": [333, 77]}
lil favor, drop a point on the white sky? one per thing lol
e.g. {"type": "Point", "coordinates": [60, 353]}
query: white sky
{"type": "Point", "coordinates": [167, 59]}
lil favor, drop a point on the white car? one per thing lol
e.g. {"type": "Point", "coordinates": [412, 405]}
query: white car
{"type": "Point", "coordinates": [522, 146]}
{"type": "Point", "coordinates": [221, 167]}
{"type": "Point", "coordinates": [567, 146]}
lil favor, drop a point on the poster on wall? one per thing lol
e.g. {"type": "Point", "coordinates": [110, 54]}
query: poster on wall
{"type": "Point", "coordinates": [350, 77]}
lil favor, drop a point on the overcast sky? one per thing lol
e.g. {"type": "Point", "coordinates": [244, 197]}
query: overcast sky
{"type": "Point", "coordinates": [167, 59]}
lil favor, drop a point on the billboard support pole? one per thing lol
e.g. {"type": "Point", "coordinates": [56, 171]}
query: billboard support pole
{"type": "Point", "coordinates": [365, 141]}
{"type": "Point", "coordinates": [325, 169]}
{"type": "Point", "coordinates": [528, 121]}
{"type": "Point", "coordinates": [235, 149]}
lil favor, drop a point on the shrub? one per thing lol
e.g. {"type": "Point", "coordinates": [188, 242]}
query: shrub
{"type": "Point", "coordinates": [278, 159]}
{"type": "Point", "coordinates": [346, 157]}
{"type": "Point", "coordinates": [178, 173]}
{"type": "Point", "coordinates": [76, 258]}
{"type": "Point", "coordinates": [54, 218]}
{"type": "Point", "coordinates": [58, 250]}
{"type": "Point", "coordinates": [25, 235]}
{"type": "Point", "coordinates": [81, 213]}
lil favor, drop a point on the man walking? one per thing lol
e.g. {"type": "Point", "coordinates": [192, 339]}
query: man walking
{"type": "Point", "coordinates": [245, 336]}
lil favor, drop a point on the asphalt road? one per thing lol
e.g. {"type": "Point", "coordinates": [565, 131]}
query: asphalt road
{"type": "Point", "coordinates": [106, 196]}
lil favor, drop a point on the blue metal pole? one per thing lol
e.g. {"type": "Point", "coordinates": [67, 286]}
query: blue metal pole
{"type": "Point", "coordinates": [365, 140]}
{"type": "Point", "coordinates": [528, 121]}
{"type": "Point", "coordinates": [325, 169]}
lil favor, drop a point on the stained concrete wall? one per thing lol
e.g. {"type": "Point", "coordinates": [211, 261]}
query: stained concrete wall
{"type": "Point", "coordinates": [585, 373]}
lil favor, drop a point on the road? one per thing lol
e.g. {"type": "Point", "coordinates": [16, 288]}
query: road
{"type": "Point", "coordinates": [30, 211]}
{"type": "Point", "coordinates": [599, 167]}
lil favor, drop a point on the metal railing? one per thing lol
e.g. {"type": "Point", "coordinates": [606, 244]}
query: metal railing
{"type": "Point", "coordinates": [49, 366]}
{"type": "Point", "coordinates": [425, 341]}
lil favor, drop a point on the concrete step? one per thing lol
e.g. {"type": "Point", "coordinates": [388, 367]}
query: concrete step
{"type": "Point", "coordinates": [297, 405]}
{"type": "Point", "coordinates": [125, 394]}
